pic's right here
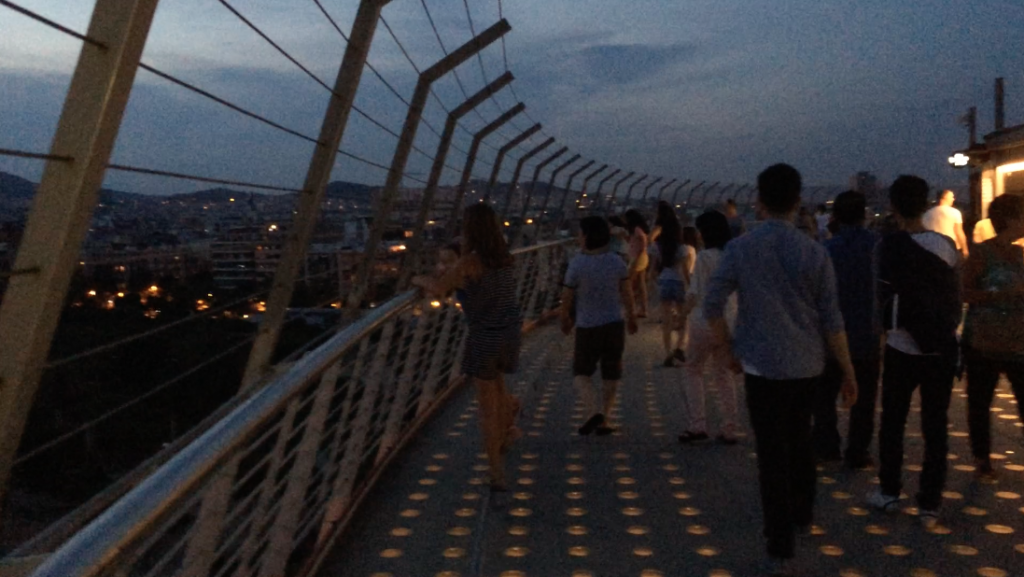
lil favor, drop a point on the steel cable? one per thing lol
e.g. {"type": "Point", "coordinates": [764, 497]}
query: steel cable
{"type": "Point", "coordinates": [56, 26]}
{"type": "Point", "coordinates": [314, 77]}
{"type": "Point", "coordinates": [60, 439]}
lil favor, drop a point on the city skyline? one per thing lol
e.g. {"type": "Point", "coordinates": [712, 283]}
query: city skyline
{"type": "Point", "coordinates": [709, 91]}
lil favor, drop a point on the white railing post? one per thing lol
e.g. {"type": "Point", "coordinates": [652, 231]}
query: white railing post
{"type": "Point", "coordinates": [351, 463]}
{"type": "Point", "coordinates": [544, 265]}
{"type": "Point", "coordinates": [202, 543]}
{"type": "Point", "coordinates": [406, 381]}
{"type": "Point", "coordinates": [62, 208]}
{"type": "Point", "coordinates": [451, 317]}
{"type": "Point", "coordinates": [282, 533]}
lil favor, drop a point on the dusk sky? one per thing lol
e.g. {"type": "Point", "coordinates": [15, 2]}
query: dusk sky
{"type": "Point", "coordinates": [707, 90]}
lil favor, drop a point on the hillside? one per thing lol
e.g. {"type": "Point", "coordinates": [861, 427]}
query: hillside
{"type": "Point", "coordinates": [14, 188]}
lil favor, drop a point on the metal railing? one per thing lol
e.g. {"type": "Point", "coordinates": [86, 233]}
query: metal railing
{"type": "Point", "coordinates": [268, 489]}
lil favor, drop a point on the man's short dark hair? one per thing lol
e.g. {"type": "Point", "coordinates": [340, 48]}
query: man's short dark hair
{"type": "Point", "coordinates": [778, 188]}
{"type": "Point", "coordinates": [909, 196]}
{"type": "Point", "coordinates": [942, 193]}
{"type": "Point", "coordinates": [1003, 209]}
{"type": "Point", "coordinates": [595, 230]}
{"type": "Point", "coordinates": [849, 208]}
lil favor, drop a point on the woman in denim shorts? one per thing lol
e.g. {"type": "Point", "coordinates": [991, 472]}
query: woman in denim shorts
{"type": "Point", "coordinates": [674, 263]}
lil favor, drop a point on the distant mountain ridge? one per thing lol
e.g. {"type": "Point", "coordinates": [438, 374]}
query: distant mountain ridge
{"type": "Point", "coordinates": [16, 188]}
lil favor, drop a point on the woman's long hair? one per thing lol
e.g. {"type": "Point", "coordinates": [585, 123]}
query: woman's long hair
{"type": "Point", "coordinates": [481, 235]}
{"type": "Point", "coordinates": [635, 220]}
{"type": "Point", "coordinates": [671, 235]}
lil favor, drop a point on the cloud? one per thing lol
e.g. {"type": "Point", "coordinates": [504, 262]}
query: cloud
{"type": "Point", "coordinates": [708, 89]}
{"type": "Point", "coordinates": [628, 63]}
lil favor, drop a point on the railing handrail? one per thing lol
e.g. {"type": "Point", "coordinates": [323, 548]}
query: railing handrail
{"type": "Point", "coordinates": [85, 553]}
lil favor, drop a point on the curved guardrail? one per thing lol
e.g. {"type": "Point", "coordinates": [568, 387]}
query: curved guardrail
{"type": "Point", "coordinates": [266, 490]}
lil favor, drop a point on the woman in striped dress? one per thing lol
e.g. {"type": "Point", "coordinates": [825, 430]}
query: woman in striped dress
{"type": "Point", "coordinates": [486, 274]}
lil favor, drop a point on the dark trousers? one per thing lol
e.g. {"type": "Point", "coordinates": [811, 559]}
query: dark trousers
{"type": "Point", "coordinates": [982, 378]}
{"type": "Point", "coordinates": [780, 413]}
{"type": "Point", "coordinates": [862, 414]}
{"type": "Point", "coordinates": [902, 374]}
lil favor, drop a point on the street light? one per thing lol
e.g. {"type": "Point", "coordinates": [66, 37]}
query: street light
{"type": "Point", "coordinates": [959, 160]}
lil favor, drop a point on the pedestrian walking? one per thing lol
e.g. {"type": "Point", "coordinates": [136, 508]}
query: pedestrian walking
{"type": "Point", "coordinates": [636, 224]}
{"type": "Point", "coordinates": [920, 299]}
{"type": "Point", "coordinates": [994, 327]}
{"type": "Point", "coordinates": [597, 290]}
{"type": "Point", "coordinates": [702, 358]}
{"type": "Point", "coordinates": [946, 220]}
{"type": "Point", "coordinates": [674, 261]}
{"type": "Point", "coordinates": [852, 251]}
{"type": "Point", "coordinates": [788, 322]}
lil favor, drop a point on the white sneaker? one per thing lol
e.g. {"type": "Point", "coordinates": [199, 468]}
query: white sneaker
{"type": "Point", "coordinates": [929, 518]}
{"type": "Point", "coordinates": [883, 502]}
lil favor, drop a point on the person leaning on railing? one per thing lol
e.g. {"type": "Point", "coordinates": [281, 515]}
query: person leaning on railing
{"type": "Point", "coordinates": [486, 274]}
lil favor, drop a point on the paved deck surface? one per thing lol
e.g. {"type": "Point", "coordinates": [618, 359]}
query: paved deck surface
{"type": "Point", "coordinates": [639, 504]}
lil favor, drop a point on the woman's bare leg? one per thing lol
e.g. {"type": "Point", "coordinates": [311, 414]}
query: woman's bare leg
{"type": "Point", "coordinates": [640, 285]}
{"type": "Point", "coordinates": [668, 324]}
{"type": "Point", "coordinates": [493, 419]}
{"type": "Point", "coordinates": [683, 336]}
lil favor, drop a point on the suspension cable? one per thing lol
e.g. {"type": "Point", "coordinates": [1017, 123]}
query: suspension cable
{"type": "Point", "coordinates": [56, 26]}
{"type": "Point", "coordinates": [455, 73]}
{"type": "Point", "coordinates": [480, 61]}
{"type": "Point", "coordinates": [186, 176]}
{"type": "Point", "coordinates": [60, 439]}
{"type": "Point", "coordinates": [317, 79]}
{"type": "Point", "coordinates": [162, 328]}
{"type": "Point", "coordinates": [433, 92]}
{"type": "Point", "coordinates": [30, 154]}
{"type": "Point", "coordinates": [224, 102]}
{"type": "Point", "coordinates": [387, 84]}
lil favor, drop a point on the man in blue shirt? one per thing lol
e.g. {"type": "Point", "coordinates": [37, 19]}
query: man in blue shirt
{"type": "Point", "coordinates": [788, 323]}
{"type": "Point", "coordinates": [596, 287]}
{"type": "Point", "coordinates": [852, 250]}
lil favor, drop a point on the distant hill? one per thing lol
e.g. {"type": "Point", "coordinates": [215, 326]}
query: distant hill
{"type": "Point", "coordinates": [219, 194]}
{"type": "Point", "coordinates": [16, 188]}
{"type": "Point", "coordinates": [348, 190]}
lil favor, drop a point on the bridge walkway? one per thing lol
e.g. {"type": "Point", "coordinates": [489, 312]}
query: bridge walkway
{"type": "Point", "coordinates": [638, 504]}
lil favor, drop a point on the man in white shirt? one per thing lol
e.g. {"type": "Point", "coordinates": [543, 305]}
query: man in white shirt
{"type": "Point", "coordinates": [944, 219]}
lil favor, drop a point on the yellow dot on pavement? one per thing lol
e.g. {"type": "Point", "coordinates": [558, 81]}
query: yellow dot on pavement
{"type": "Point", "coordinates": [876, 530]}
{"type": "Point", "coordinates": [999, 529]}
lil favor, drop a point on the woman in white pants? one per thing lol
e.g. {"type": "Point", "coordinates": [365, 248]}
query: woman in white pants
{"type": "Point", "coordinates": [700, 352]}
